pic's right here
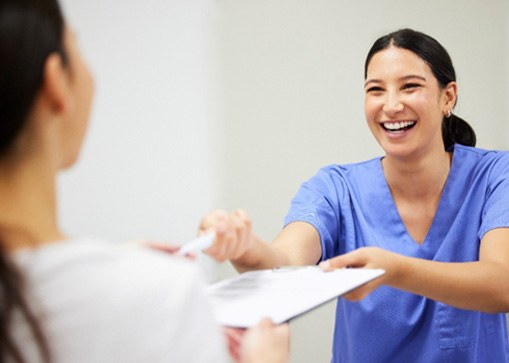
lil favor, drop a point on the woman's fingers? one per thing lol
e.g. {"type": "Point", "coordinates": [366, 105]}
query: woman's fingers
{"type": "Point", "coordinates": [234, 342]}
{"type": "Point", "coordinates": [367, 257]}
{"type": "Point", "coordinates": [351, 259]}
{"type": "Point", "coordinates": [233, 233]}
{"type": "Point", "coordinates": [266, 342]}
{"type": "Point", "coordinates": [243, 233]}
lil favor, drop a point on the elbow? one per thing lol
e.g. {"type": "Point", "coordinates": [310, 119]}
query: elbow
{"type": "Point", "coordinates": [504, 306]}
{"type": "Point", "coordinates": [502, 298]}
{"type": "Point", "coordinates": [498, 304]}
{"type": "Point", "coordinates": [495, 290]}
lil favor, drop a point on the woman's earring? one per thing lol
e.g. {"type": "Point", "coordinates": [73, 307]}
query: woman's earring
{"type": "Point", "coordinates": [449, 113]}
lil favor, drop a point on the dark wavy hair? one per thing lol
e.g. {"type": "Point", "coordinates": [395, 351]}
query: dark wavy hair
{"type": "Point", "coordinates": [30, 30]}
{"type": "Point", "coordinates": [454, 128]}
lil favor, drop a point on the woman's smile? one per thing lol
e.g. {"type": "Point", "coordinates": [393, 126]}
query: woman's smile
{"type": "Point", "coordinates": [397, 126]}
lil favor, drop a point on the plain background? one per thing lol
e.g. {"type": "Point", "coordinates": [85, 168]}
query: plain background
{"type": "Point", "coordinates": [234, 103]}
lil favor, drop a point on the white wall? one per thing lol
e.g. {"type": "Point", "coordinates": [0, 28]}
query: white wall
{"type": "Point", "coordinates": [293, 87]}
{"type": "Point", "coordinates": [148, 167]}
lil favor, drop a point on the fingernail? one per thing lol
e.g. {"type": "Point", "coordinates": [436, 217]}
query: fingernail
{"type": "Point", "coordinates": [325, 265]}
{"type": "Point", "coordinates": [220, 228]}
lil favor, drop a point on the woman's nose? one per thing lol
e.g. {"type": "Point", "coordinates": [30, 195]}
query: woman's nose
{"type": "Point", "coordinates": [392, 104]}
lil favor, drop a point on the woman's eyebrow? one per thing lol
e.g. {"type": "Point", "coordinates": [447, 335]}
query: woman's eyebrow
{"type": "Point", "coordinates": [412, 76]}
{"type": "Point", "coordinates": [372, 81]}
{"type": "Point", "coordinates": [404, 78]}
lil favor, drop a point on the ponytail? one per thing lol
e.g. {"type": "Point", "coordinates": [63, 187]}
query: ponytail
{"type": "Point", "coordinates": [455, 130]}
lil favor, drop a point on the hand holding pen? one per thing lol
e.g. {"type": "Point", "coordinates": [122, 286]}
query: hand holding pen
{"type": "Point", "coordinates": [233, 234]}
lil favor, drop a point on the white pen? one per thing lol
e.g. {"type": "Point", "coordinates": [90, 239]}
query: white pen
{"type": "Point", "coordinates": [198, 244]}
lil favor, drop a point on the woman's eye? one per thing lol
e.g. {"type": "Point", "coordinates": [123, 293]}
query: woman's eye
{"type": "Point", "coordinates": [374, 90]}
{"type": "Point", "coordinates": [410, 86]}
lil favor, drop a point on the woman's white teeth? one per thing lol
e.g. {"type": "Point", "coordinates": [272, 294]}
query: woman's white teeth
{"type": "Point", "coordinates": [395, 126]}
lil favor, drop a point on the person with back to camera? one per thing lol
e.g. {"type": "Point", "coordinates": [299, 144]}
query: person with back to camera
{"type": "Point", "coordinates": [69, 300]}
{"type": "Point", "coordinates": [433, 212]}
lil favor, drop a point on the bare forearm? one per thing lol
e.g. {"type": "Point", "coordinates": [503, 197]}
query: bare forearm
{"type": "Point", "coordinates": [480, 285]}
{"type": "Point", "coordinates": [261, 255]}
{"type": "Point", "coordinates": [297, 244]}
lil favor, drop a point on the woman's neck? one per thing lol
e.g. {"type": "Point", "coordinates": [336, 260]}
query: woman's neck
{"type": "Point", "coordinates": [28, 213]}
{"type": "Point", "coordinates": [419, 178]}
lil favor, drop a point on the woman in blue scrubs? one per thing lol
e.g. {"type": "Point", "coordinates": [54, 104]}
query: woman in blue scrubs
{"type": "Point", "coordinates": [433, 212]}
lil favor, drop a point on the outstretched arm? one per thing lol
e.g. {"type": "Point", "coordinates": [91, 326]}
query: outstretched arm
{"type": "Point", "coordinates": [297, 244]}
{"type": "Point", "coordinates": [480, 285]}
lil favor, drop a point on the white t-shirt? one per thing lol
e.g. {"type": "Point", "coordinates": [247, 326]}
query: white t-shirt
{"type": "Point", "coordinates": [103, 303]}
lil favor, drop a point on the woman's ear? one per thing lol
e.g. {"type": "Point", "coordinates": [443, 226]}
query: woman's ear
{"type": "Point", "coordinates": [450, 96]}
{"type": "Point", "coordinates": [55, 86]}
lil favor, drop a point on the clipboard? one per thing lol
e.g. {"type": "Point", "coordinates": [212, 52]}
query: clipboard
{"type": "Point", "coordinates": [281, 294]}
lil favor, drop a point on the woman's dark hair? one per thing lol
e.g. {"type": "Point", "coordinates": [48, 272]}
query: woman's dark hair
{"type": "Point", "coordinates": [454, 129]}
{"type": "Point", "coordinates": [30, 30]}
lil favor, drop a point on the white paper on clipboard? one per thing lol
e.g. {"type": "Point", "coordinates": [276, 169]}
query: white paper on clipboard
{"type": "Point", "coordinates": [281, 294]}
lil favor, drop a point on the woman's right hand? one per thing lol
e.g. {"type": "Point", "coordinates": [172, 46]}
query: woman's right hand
{"type": "Point", "coordinates": [263, 343]}
{"type": "Point", "coordinates": [266, 343]}
{"type": "Point", "coordinates": [233, 233]}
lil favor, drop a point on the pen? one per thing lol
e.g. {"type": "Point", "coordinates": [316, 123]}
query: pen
{"type": "Point", "coordinates": [198, 244]}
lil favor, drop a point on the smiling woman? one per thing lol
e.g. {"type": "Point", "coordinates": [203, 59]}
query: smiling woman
{"type": "Point", "coordinates": [433, 68]}
{"type": "Point", "coordinates": [432, 212]}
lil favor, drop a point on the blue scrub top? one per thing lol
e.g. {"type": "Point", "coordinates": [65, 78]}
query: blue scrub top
{"type": "Point", "coordinates": [351, 206]}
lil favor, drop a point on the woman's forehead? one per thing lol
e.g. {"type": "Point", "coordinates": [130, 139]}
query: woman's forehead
{"type": "Point", "coordinates": [394, 61]}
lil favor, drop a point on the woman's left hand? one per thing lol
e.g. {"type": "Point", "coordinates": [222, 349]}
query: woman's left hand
{"type": "Point", "coordinates": [165, 247]}
{"type": "Point", "coordinates": [366, 257]}
{"type": "Point", "coordinates": [234, 337]}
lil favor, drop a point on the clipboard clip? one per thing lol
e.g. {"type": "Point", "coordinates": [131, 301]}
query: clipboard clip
{"type": "Point", "coordinates": [290, 268]}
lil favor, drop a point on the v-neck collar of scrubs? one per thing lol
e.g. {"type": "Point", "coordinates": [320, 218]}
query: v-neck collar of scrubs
{"type": "Point", "coordinates": [443, 216]}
